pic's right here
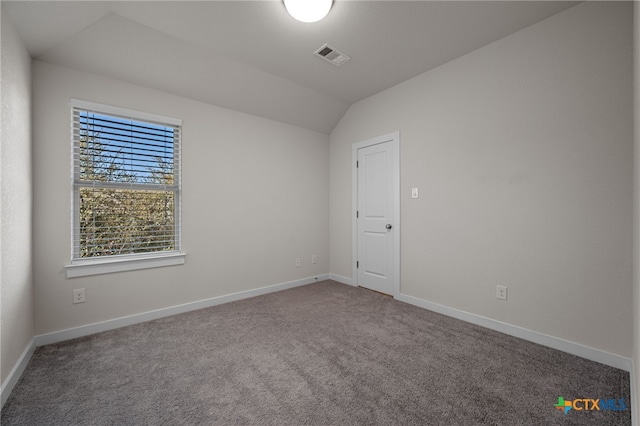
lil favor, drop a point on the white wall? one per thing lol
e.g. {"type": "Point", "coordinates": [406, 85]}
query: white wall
{"type": "Point", "coordinates": [522, 151]}
{"type": "Point", "coordinates": [635, 378]}
{"type": "Point", "coordinates": [15, 182]}
{"type": "Point", "coordinates": [255, 196]}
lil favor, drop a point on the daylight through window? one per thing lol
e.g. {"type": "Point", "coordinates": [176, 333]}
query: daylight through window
{"type": "Point", "coordinates": [126, 184]}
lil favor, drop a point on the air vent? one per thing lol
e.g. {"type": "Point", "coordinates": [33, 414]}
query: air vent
{"type": "Point", "coordinates": [332, 55]}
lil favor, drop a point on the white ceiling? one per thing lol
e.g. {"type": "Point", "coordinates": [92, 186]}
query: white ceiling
{"type": "Point", "coordinates": [253, 57]}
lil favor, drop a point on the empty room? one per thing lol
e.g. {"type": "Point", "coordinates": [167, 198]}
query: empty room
{"type": "Point", "coordinates": [336, 212]}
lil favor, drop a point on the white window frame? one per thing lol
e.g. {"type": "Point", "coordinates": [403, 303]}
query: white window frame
{"type": "Point", "coordinates": [118, 263]}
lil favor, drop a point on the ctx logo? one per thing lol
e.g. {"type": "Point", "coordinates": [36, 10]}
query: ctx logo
{"type": "Point", "coordinates": [589, 404]}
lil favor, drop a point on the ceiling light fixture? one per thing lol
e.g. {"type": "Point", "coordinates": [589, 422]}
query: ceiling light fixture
{"type": "Point", "coordinates": [308, 10]}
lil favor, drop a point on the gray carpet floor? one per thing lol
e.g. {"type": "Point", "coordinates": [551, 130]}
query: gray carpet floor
{"type": "Point", "coordinates": [322, 354]}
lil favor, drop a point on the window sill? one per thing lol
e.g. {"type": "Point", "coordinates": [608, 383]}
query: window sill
{"type": "Point", "coordinates": [82, 268]}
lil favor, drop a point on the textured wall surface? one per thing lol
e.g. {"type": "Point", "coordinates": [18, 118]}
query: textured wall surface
{"type": "Point", "coordinates": [522, 151]}
{"type": "Point", "coordinates": [636, 217]}
{"type": "Point", "coordinates": [15, 182]}
{"type": "Point", "coordinates": [255, 197]}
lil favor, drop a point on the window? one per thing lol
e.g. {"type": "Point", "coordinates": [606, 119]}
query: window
{"type": "Point", "coordinates": [126, 185]}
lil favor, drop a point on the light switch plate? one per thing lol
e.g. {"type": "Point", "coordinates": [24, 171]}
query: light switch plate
{"type": "Point", "coordinates": [414, 192]}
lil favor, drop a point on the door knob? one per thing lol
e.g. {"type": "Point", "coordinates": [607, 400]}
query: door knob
{"type": "Point", "coordinates": [388, 226]}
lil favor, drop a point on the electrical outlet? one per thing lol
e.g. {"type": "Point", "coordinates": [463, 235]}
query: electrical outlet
{"type": "Point", "coordinates": [501, 292]}
{"type": "Point", "coordinates": [78, 295]}
{"type": "Point", "coordinates": [314, 259]}
{"type": "Point", "coordinates": [297, 262]}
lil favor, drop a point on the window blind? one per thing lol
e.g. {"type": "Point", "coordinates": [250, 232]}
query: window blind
{"type": "Point", "coordinates": [126, 185]}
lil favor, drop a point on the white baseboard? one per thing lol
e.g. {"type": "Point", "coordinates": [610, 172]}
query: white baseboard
{"type": "Point", "coordinates": [593, 354]}
{"type": "Point", "coordinates": [341, 279]}
{"type": "Point", "coordinates": [85, 330]}
{"type": "Point", "coordinates": [577, 349]}
{"type": "Point", "coordinates": [16, 372]}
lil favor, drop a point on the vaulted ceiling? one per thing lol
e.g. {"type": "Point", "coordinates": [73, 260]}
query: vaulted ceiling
{"type": "Point", "coordinates": [251, 56]}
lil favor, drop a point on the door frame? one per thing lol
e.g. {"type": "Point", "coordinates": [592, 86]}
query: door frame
{"type": "Point", "coordinates": [394, 138]}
